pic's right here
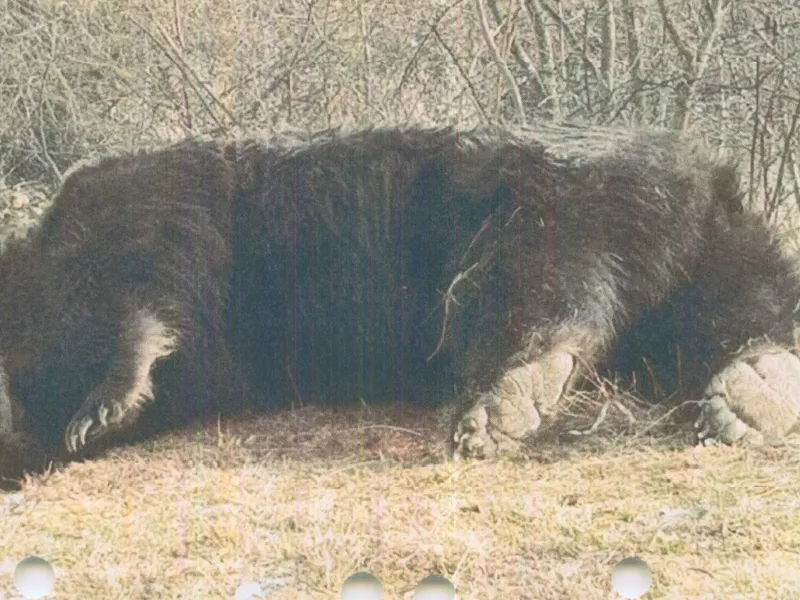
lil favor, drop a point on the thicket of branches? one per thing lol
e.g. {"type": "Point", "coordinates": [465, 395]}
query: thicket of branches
{"type": "Point", "coordinates": [84, 76]}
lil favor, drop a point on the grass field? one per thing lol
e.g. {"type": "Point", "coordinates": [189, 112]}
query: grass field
{"type": "Point", "coordinates": [298, 500]}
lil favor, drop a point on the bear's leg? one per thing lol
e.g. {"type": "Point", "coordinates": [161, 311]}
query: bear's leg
{"type": "Point", "coordinates": [117, 401]}
{"type": "Point", "coordinates": [742, 295]}
{"type": "Point", "coordinates": [559, 334]}
{"type": "Point", "coordinates": [746, 294]}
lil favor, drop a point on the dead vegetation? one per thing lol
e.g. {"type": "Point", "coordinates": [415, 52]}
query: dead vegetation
{"type": "Point", "coordinates": [298, 500]}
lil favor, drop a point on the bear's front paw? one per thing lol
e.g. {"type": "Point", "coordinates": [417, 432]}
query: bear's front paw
{"type": "Point", "coordinates": [483, 431]}
{"type": "Point", "coordinates": [102, 413]}
{"type": "Point", "coordinates": [501, 418]}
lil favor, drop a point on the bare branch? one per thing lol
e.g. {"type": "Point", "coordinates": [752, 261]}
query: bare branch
{"type": "Point", "coordinates": [787, 145]}
{"type": "Point", "coordinates": [366, 53]}
{"type": "Point", "coordinates": [174, 57]}
{"type": "Point", "coordinates": [474, 94]}
{"type": "Point", "coordinates": [669, 26]}
{"type": "Point", "coordinates": [520, 53]}
{"type": "Point", "coordinates": [754, 139]}
{"type": "Point", "coordinates": [696, 66]}
{"type": "Point", "coordinates": [634, 56]}
{"type": "Point", "coordinates": [501, 64]}
{"type": "Point", "coordinates": [707, 43]}
{"type": "Point", "coordinates": [180, 33]}
{"type": "Point", "coordinates": [418, 52]}
{"type": "Point", "coordinates": [558, 17]}
{"type": "Point", "coordinates": [546, 55]}
{"type": "Point", "coordinates": [609, 48]}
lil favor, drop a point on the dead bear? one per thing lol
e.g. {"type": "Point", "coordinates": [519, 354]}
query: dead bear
{"type": "Point", "coordinates": [390, 262]}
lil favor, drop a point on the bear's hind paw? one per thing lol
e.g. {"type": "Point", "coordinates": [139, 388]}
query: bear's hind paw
{"type": "Point", "coordinates": [755, 396]}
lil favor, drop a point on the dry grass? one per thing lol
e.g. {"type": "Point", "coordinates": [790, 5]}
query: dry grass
{"type": "Point", "coordinates": [298, 500]}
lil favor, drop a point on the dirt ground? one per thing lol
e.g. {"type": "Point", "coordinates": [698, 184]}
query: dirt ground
{"type": "Point", "coordinates": [298, 500]}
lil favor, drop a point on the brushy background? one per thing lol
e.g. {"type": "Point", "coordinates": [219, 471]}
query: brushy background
{"type": "Point", "coordinates": [298, 500]}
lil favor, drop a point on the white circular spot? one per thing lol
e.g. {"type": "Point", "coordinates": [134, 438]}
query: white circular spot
{"type": "Point", "coordinates": [248, 590]}
{"type": "Point", "coordinates": [362, 586]}
{"type": "Point", "coordinates": [34, 577]}
{"type": "Point", "coordinates": [435, 587]}
{"type": "Point", "coordinates": [631, 577]}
